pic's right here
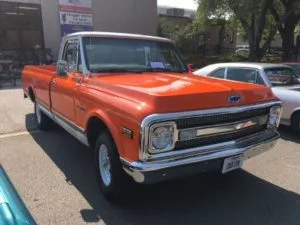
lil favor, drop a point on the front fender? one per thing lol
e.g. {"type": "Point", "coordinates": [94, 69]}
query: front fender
{"type": "Point", "coordinates": [128, 147]}
{"type": "Point", "coordinates": [106, 119]}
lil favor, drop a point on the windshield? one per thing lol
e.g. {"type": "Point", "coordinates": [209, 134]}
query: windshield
{"type": "Point", "coordinates": [281, 76]}
{"type": "Point", "coordinates": [130, 55]}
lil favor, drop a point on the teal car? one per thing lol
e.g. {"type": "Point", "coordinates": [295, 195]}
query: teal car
{"type": "Point", "coordinates": [12, 209]}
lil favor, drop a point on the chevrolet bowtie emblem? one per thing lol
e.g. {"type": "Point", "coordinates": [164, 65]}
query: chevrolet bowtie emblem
{"type": "Point", "coordinates": [234, 99]}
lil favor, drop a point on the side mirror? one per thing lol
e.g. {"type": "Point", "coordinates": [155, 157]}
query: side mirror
{"type": "Point", "coordinates": [191, 68]}
{"type": "Point", "coordinates": [62, 68]}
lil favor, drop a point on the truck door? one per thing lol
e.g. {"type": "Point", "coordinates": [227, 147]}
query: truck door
{"type": "Point", "coordinates": [63, 86]}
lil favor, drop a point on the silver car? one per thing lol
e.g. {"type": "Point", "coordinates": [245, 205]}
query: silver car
{"type": "Point", "coordinates": [281, 78]}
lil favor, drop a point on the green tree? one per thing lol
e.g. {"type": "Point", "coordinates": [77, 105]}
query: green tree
{"type": "Point", "coordinates": [251, 14]}
{"type": "Point", "coordinates": [291, 11]}
{"type": "Point", "coordinates": [183, 35]}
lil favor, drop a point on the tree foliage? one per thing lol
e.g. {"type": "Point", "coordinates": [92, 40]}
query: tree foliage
{"type": "Point", "coordinates": [181, 34]}
{"type": "Point", "coordinates": [260, 19]}
{"type": "Point", "coordinates": [251, 14]}
{"type": "Point", "coordinates": [291, 11]}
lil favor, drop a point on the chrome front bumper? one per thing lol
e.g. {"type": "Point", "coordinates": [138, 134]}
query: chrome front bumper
{"type": "Point", "coordinates": [200, 159]}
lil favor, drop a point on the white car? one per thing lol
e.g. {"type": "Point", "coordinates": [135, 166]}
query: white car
{"type": "Point", "coordinates": [281, 78]}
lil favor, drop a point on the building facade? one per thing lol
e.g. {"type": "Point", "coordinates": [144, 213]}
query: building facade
{"type": "Point", "coordinates": [28, 27]}
{"type": "Point", "coordinates": [176, 12]}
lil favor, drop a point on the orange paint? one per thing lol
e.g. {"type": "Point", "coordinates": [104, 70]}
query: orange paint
{"type": "Point", "coordinates": [124, 100]}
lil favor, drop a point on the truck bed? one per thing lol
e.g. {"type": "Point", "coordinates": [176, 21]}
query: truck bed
{"type": "Point", "coordinates": [38, 78]}
{"type": "Point", "coordinates": [44, 68]}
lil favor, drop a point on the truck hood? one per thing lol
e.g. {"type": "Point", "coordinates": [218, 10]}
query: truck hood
{"type": "Point", "coordinates": [169, 92]}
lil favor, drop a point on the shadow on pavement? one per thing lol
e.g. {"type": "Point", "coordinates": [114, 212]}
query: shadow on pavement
{"type": "Point", "coordinates": [287, 134]}
{"type": "Point", "coordinates": [237, 198]}
{"type": "Point", "coordinates": [31, 123]}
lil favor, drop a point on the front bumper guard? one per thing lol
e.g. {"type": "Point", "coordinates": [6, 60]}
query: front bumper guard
{"type": "Point", "coordinates": [200, 159]}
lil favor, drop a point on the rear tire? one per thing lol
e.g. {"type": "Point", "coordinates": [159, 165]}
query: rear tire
{"type": "Point", "coordinates": [43, 121]}
{"type": "Point", "coordinates": [113, 181]}
{"type": "Point", "coordinates": [296, 124]}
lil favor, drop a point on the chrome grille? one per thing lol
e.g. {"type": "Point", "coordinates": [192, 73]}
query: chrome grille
{"type": "Point", "coordinates": [218, 119]}
{"type": "Point", "coordinates": [204, 128]}
{"type": "Point", "coordinates": [215, 139]}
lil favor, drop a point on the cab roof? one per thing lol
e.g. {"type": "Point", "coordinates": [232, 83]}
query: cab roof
{"type": "Point", "coordinates": [117, 35]}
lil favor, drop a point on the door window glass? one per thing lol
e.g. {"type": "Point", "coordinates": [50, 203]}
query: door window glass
{"type": "Point", "coordinates": [72, 55]}
{"type": "Point", "coordinates": [218, 74]}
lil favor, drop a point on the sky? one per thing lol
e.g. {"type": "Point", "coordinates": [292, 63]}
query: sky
{"type": "Point", "coordinates": [187, 4]}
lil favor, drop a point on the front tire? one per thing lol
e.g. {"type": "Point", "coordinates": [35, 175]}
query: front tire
{"type": "Point", "coordinates": [43, 121]}
{"type": "Point", "coordinates": [113, 180]}
{"type": "Point", "coordinates": [296, 124]}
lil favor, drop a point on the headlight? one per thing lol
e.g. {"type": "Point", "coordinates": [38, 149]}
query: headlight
{"type": "Point", "coordinates": [274, 117]}
{"type": "Point", "coordinates": [162, 137]}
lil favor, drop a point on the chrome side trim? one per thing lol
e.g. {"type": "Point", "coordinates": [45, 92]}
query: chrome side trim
{"type": "Point", "coordinates": [254, 146]}
{"type": "Point", "coordinates": [69, 126]}
{"type": "Point", "coordinates": [156, 118]}
{"type": "Point", "coordinates": [45, 109]}
{"type": "Point", "coordinates": [75, 126]}
{"type": "Point", "coordinates": [224, 128]}
{"type": "Point", "coordinates": [71, 129]}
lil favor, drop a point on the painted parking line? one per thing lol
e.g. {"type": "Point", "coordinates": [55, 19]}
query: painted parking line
{"type": "Point", "coordinates": [17, 134]}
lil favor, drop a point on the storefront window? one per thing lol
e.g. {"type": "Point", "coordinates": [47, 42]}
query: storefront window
{"type": "Point", "coordinates": [21, 34]}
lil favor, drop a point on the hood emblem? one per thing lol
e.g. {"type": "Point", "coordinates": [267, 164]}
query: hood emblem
{"type": "Point", "coordinates": [234, 99]}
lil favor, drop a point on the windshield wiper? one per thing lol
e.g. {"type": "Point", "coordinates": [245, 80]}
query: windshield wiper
{"type": "Point", "coordinates": [164, 70]}
{"type": "Point", "coordinates": [117, 70]}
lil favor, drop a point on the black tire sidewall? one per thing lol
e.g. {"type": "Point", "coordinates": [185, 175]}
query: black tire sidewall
{"type": "Point", "coordinates": [115, 190]}
{"type": "Point", "coordinates": [296, 124]}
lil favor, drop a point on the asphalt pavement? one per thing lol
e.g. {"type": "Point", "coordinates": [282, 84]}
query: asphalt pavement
{"type": "Point", "coordinates": [15, 112]}
{"type": "Point", "coordinates": [55, 177]}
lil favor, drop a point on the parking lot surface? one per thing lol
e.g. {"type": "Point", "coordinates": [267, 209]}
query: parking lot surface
{"type": "Point", "coordinates": [54, 175]}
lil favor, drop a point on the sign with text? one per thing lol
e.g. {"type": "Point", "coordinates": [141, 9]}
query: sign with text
{"type": "Point", "coordinates": [75, 16]}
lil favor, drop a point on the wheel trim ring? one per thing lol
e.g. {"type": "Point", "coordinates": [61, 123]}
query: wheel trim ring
{"type": "Point", "coordinates": [104, 165]}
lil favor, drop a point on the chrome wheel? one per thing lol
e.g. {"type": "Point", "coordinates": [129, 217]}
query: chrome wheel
{"type": "Point", "coordinates": [38, 113]}
{"type": "Point", "coordinates": [104, 165]}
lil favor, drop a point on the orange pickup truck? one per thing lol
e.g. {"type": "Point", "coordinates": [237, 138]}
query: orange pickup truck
{"type": "Point", "coordinates": [147, 117]}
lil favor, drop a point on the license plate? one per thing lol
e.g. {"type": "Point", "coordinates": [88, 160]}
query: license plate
{"type": "Point", "coordinates": [232, 163]}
